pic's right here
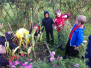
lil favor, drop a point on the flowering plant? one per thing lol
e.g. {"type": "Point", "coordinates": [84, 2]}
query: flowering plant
{"type": "Point", "coordinates": [20, 62]}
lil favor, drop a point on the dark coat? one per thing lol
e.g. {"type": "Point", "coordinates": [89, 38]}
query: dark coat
{"type": "Point", "coordinates": [47, 22]}
{"type": "Point", "coordinates": [3, 40]}
{"type": "Point", "coordinates": [88, 54]}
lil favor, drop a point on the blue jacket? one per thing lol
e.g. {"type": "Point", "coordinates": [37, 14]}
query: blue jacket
{"type": "Point", "coordinates": [77, 37]}
{"type": "Point", "coordinates": [47, 22]}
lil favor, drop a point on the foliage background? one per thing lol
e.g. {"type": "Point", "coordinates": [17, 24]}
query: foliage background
{"type": "Point", "coordinates": [22, 13]}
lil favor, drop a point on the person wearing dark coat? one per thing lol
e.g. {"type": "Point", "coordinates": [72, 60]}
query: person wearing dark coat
{"type": "Point", "coordinates": [8, 37]}
{"type": "Point", "coordinates": [47, 22]}
{"type": "Point", "coordinates": [4, 62]}
{"type": "Point", "coordinates": [88, 52]}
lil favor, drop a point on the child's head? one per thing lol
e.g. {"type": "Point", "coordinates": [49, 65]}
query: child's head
{"type": "Point", "coordinates": [80, 20]}
{"type": "Point", "coordinates": [35, 25]}
{"type": "Point", "coordinates": [46, 14]}
{"type": "Point", "coordinates": [57, 12]}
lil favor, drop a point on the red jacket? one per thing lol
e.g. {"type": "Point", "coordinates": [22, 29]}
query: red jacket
{"type": "Point", "coordinates": [60, 21]}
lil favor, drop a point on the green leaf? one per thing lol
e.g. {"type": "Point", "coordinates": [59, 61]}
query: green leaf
{"type": "Point", "coordinates": [1, 34]}
{"type": "Point", "coordinates": [38, 37]}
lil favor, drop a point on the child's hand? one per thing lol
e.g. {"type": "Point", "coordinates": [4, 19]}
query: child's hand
{"type": "Point", "coordinates": [75, 48]}
{"type": "Point", "coordinates": [55, 27]}
{"type": "Point", "coordinates": [64, 16]}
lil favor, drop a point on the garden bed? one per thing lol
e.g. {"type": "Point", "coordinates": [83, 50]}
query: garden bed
{"type": "Point", "coordinates": [42, 51]}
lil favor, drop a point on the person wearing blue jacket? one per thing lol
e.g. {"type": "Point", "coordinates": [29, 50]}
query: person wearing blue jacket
{"type": "Point", "coordinates": [47, 22]}
{"type": "Point", "coordinates": [75, 37]}
{"type": "Point", "coordinates": [88, 52]}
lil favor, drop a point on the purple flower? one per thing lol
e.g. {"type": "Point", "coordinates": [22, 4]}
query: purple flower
{"type": "Point", "coordinates": [61, 58]}
{"type": "Point", "coordinates": [30, 66]}
{"type": "Point", "coordinates": [76, 65]}
{"type": "Point", "coordinates": [56, 65]}
{"type": "Point", "coordinates": [52, 54]}
{"type": "Point", "coordinates": [16, 62]}
{"type": "Point", "coordinates": [30, 59]}
{"type": "Point", "coordinates": [23, 64]}
{"type": "Point", "coordinates": [58, 57]}
{"type": "Point", "coordinates": [52, 59]}
{"type": "Point", "coordinates": [13, 66]}
{"type": "Point", "coordinates": [11, 63]}
{"type": "Point", "coordinates": [26, 63]}
{"type": "Point", "coordinates": [26, 66]}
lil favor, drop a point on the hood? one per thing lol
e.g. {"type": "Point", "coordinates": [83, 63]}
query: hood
{"type": "Point", "coordinates": [89, 37]}
{"type": "Point", "coordinates": [46, 12]}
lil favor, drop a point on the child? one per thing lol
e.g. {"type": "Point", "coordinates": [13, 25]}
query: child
{"type": "Point", "coordinates": [47, 23]}
{"type": "Point", "coordinates": [35, 26]}
{"type": "Point", "coordinates": [75, 37]}
{"type": "Point", "coordinates": [59, 24]}
{"type": "Point", "coordinates": [88, 54]}
{"type": "Point", "coordinates": [4, 62]}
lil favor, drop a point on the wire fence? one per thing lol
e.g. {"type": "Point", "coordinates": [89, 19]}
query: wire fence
{"type": "Point", "coordinates": [20, 12]}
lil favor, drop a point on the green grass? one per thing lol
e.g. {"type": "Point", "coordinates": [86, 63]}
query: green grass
{"type": "Point", "coordinates": [87, 31]}
{"type": "Point", "coordinates": [53, 46]}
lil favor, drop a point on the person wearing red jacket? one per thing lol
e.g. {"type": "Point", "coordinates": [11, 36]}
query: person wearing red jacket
{"type": "Point", "coordinates": [59, 24]}
{"type": "Point", "coordinates": [35, 26]}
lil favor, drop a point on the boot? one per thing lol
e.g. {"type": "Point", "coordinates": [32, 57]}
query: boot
{"type": "Point", "coordinates": [52, 41]}
{"type": "Point", "coordinates": [62, 48]}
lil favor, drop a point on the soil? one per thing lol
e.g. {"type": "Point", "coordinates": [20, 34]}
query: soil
{"type": "Point", "coordinates": [42, 51]}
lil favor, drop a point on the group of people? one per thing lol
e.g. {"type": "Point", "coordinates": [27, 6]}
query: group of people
{"type": "Point", "coordinates": [75, 37]}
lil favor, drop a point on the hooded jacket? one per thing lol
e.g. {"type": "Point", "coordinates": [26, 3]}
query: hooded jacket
{"type": "Point", "coordinates": [77, 37]}
{"type": "Point", "coordinates": [60, 21]}
{"type": "Point", "coordinates": [47, 22]}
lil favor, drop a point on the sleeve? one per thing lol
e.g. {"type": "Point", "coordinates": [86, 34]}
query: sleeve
{"type": "Point", "coordinates": [43, 25]}
{"type": "Point", "coordinates": [80, 38]}
{"type": "Point", "coordinates": [30, 30]}
{"type": "Point", "coordinates": [68, 15]}
{"type": "Point", "coordinates": [8, 37]}
{"type": "Point", "coordinates": [12, 46]}
{"type": "Point", "coordinates": [52, 21]}
{"type": "Point", "coordinates": [55, 22]}
{"type": "Point", "coordinates": [39, 30]}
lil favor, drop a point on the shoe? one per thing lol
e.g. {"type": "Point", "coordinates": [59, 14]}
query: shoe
{"type": "Point", "coordinates": [62, 48]}
{"type": "Point", "coordinates": [52, 41]}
